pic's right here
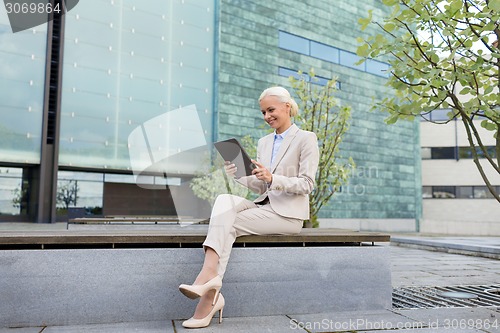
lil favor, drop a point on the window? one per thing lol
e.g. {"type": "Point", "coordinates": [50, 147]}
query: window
{"type": "Point", "coordinates": [455, 152]}
{"type": "Point", "coordinates": [331, 54]}
{"type": "Point", "coordinates": [377, 67]}
{"type": "Point", "coordinates": [288, 72]}
{"type": "Point", "coordinates": [464, 152]}
{"type": "Point", "coordinates": [426, 192]}
{"type": "Point", "coordinates": [439, 115]}
{"type": "Point", "coordinates": [426, 153]}
{"type": "Point", "coordinates": [151, 58]}
{"type": "Point", "coordinates": [13, 192]}
{"type": "Point", "coordinates": [22, 79]}
{"type": "Point", "coordinates": [465, 192]}
{"type": "Point", "coordinates": [443, 192]}
{"type": "Point", "coordinates": [293, 43]}
{"type": "Point", "coordinates": [459, 192]}
{"type": "Point", "coordinates": [325, 52]}
{"type": "Point", "coordinates": [319, 80]}
{"type": "Point", "coordinates": [80, 190]}
{"type": "Point", "coordinates": [349, 59]}
{"type": "Point", "coordinates": [482, 192]}
{"type": "Point", "coordinates": [322, 81]}
{"type": "Point", "coordinates": [441, 153]}
{"type": "Point", "coordinates": [491, 150]}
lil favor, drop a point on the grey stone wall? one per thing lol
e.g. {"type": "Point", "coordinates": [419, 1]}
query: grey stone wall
{"type": "Point", "coordinates": [387, 183]}
{"type": "Point", "coordinates": [96, 286]}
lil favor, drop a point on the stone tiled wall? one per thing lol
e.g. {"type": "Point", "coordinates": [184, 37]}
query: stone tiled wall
{"type": "Point", "coordinates": [387, 182]}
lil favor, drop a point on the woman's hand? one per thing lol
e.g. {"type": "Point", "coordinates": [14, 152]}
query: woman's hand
{"type": "Point", "coordinates": [230, 169]}
{"type": "Point", "coordinates": [261, 172]}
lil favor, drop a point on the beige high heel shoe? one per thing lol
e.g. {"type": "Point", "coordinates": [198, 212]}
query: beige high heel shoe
{"type": "Point", "coordinates": [204, 322]}
{"type": "Point", "coordinates": [198, 290]}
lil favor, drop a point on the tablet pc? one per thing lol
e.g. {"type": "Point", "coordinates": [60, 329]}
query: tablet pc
{"type": "Point", "coordinates": [231, 150]}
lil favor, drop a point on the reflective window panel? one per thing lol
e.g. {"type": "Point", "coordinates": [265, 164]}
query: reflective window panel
{"type": "Point", "coordinates": [350, 59]}
{"type": "Point", "coordinates": [11, 193]}
{"type": "Point", "coordinates": [127, 62]}
{"type": "Point", "coordinates": [293, 43]}
{"type": "Point", "coordinates": [325, 52]}
{"type": "Point", "coordinates": [22, 71]}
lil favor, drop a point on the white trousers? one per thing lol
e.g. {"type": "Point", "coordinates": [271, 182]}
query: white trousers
{"type": "Point", "coordinates": [234, 216]}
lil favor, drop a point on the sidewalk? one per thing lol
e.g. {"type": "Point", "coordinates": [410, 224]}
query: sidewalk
{"type": "Point", "coordinates": [488, 247]}
{"type": "Point", "coordinates": [409, 266]}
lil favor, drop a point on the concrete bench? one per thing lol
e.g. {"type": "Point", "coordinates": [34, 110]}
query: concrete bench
{"type": "Point", "coordinates": [92, 276]}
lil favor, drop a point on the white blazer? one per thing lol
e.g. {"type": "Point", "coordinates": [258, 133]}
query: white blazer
{"type": "Point", "coordinates": [294, 172]}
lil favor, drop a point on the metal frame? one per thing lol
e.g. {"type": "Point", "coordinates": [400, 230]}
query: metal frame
{"type": "Point", "coordinates": [46, 178]}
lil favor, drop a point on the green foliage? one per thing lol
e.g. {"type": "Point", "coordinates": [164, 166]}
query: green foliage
{"type": "Point", "coordinates": [19, 196]}
{"type": "Point", "coordinates": [321, 113]}
{"type": "Point", "coordinates": [442, 54]}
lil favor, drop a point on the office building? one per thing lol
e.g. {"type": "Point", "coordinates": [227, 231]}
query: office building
{"type": "Point", "coordinates": [75, 89]}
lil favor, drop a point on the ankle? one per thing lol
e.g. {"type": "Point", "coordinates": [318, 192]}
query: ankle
{"type": "Point", "coordinates": [205, 276]}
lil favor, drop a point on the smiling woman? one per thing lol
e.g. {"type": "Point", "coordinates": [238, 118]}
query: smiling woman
{"type": "Point", "coordinates": [287, 161]}
{"type": "Point", "coordinates": [277, 107]}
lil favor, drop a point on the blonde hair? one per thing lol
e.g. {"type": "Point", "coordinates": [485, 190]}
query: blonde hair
{"type": "Point", "coordinates": [284, 96]}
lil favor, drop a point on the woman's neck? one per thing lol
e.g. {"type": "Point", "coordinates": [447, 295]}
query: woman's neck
{"type": "Point", "coordinates": [283, 128]}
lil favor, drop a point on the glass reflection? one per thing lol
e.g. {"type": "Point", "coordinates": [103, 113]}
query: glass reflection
{"type": "Point", "coordinates": [150, 58]}
{"type": "Point", "coordinates": [22, 69]}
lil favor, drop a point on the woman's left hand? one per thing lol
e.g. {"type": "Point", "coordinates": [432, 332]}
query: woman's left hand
{"type": "Point", "coordinates": [262, 173]}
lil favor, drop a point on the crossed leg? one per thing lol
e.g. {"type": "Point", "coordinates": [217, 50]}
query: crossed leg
{"type": "Point", "coordinates": [233, 216]}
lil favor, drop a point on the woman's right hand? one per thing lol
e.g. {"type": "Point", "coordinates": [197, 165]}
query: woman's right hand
{"type": "Point", "coordinates": [230, 169]}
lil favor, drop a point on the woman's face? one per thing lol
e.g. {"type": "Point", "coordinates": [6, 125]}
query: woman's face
{"type": "Point", "coordinates": [276, 113]}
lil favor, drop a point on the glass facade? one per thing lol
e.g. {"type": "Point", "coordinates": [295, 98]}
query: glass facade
{"type": "Point", "coordinates": [148, 58]}
{"type": "Point", "coordinates": [130, 69]}
{"type": "Point", "coordinates": [22, 70]}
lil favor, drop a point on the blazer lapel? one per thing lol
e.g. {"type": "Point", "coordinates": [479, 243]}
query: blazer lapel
{"type": "Point", "coordinates": [284, 146]}
{"type": "Point", "coordinates": [267, 151]}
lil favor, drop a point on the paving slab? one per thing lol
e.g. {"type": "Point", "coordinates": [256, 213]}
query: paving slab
{"type": "Point", "coordinates": [271, 324]}
{"type": "Point", "coordinates": [138, 327]}
{"type": "Point", "coordinates": [453, 319]}
{"type": "Point", "coordinates": [22, 330]}
{"type": "Point", "coordinates": [353, 321]}
{"type": "Point", "coordinates": [462, 272]}
{"type": "Point", "coordinates": [423, 330]}
{"type": "Point", "coordinates": [477, 246]}
{"type": "Point", "coordinates": [444, 269]}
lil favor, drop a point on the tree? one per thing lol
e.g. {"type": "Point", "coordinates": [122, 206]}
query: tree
{"type": "Point", "coordinates": [321, 113]}
{"type": "Point", "coordinates": [19, 196]}
{"type": "Point", "coordinates": [67, 193]}
{"type": "Point", "coordinates": [442, 55]}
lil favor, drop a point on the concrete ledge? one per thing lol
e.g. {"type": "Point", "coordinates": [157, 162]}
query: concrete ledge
{"type": "Point", "coordinates": [83, 286]}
